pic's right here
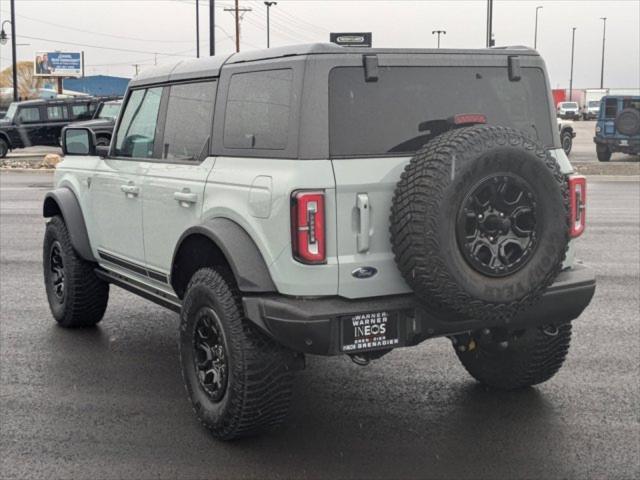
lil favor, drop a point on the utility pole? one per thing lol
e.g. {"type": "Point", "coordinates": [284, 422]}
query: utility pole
{"type": "Point", "coordinates": [439, 32]}
{"type": "Point", "coordinates": [197, 28]}
{"type": "Point", "coordinates": [136, 65]}
{"type": "Point", "coordinates": [573, 40]}
{"type": "Point", "coordinates": [490, 41]}
{"type": "Point", "coordinates": [212, 29]}
{"type": "Point", "coordinates": [13, 51]}
{"type": "Point", "coordinates": [237, 10]}
{"type": "Point", "coordinates": [604, 31]}
{"type": "Point", "coordinates": [269, 5]}
{"type": "Point", "coordinates": [535, 34]}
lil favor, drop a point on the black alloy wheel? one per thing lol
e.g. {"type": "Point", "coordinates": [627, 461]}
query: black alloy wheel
{"type": "Point", "coordinates": [56, 265]}
{"type": "Point", "coordinates": [496, 225]}
{"type": "Point", "coordinates": [210, 356]}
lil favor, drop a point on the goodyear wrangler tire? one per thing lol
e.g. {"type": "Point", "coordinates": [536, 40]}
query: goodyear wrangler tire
{"type": "Point", "coordinates": [479, 222]}
{"type": "Point", "coordinates": [239, 381]}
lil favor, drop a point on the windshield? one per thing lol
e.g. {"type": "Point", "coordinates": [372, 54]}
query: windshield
{"type": "Point", "coordinates": [11, 111]}
{"type": "Point", "coordinates": [407, 106]}
{"type": "Point", "coordinates": [109, 111]}
{"type": "Point", "coordinates": [594, 103]}
{"type": "Point", "coordinates": [569, 105]}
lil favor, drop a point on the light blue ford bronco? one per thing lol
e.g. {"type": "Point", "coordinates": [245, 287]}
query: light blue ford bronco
{"type": "Point", "coordinates": [325, 200]}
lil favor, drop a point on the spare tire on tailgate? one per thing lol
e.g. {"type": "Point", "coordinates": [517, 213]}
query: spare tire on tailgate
{"type": "Point", "coordinates": [628, 122]}
{"type": "Point", "coordinates": [479, 222]}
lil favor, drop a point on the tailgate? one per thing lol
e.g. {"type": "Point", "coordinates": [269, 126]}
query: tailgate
{"type": "Point", "coordinates": [364, 189]}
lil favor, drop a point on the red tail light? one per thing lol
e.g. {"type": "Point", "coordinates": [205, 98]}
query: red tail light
{"type": "Point", "coordinates": [307, 226]}
{"type": "Point", "coordinates": [578, 205]}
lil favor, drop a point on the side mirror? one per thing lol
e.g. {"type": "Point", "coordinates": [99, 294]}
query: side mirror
{"type": "Point", "coordinates": [78, 141]}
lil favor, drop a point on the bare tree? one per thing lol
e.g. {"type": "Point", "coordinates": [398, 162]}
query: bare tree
{"type": "Point", "coordinates": [28, 83]}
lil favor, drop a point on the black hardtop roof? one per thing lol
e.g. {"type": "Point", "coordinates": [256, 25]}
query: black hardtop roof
{"type": "Point", "coordinates": [210, 66]}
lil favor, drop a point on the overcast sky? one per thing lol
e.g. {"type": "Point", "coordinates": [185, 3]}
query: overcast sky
{"type": "Point", "coordinates": [132, 31]}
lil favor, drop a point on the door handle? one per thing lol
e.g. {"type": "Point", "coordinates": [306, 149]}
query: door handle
{"type": "Point", "coordinates": [130, 190]}
{"type": "Point", "coordinates": [364, 209]}
{"type": "Point", "coordinates": [185, 197]}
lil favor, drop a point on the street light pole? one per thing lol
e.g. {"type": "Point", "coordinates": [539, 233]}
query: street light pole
{"type": "Point", "coordinates": [490, 41]}
{"type": "Point", "coordinates": [604, 31]}
{"type": "Point", "coordinates": [269, 5]}
{"type": "Point", "coordinates": [212, 29]}
{"type": "Point", "coordinates": [197, 28]}
{"type": "Point", "coordinates": [13, 51]}
{"type": "Point", "coordinates": [439, 32]}
{"type": "Point", "coordinates": [573, 40]}
{"type": "Point", "coordinates": [535, 34]}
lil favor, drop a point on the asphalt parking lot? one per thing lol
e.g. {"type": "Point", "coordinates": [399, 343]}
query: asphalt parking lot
{"type": "Point", "coordinates": [109, 402]}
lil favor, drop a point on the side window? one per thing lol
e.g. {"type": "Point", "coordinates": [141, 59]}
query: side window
{"type": "Point", "coordinates": [56, 112]}
{"type": "Point", "coordinates": [80, 111]}
{"type": "Point", "coordinates": [137, 130]}
{"type": "Point", "coordinates": [257, 113]}
{"type": "Point", "coordinates": [28, 114]}
{"type": "Point", "coordinates": [611, 107]}
{"type": "Point", "coordinates": [189, 115]}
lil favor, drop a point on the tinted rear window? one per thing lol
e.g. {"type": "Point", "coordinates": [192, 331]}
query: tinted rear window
{"type": "Point", "coordinates": [384, 117]}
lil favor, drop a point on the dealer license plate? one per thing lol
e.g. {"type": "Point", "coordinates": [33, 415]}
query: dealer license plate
{"type": "Point", "coordinates": [369, 331]}
{"type": "Point", "coordinates": [624, 143]}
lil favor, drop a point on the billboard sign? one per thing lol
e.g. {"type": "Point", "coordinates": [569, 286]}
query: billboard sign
{"type": "Point", "coordinates": [58, 64]}
{"type": "Point", "coordinates": [361, 39]}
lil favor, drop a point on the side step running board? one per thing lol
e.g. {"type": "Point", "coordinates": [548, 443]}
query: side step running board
{"type": "Point", "coordinates": [157, 296]}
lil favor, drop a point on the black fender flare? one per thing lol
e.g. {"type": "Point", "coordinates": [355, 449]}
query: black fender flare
{"type": "Point", "coordinates": [62, 201]}
{"type": "Point", "coordinates": [242, 254]}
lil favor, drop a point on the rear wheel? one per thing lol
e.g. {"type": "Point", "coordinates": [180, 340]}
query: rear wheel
{"type": "Point", "coordinates": [603, 153]}
{"type": "Point", "coordinates": [521, 359]}
{"type": "Point", "coordinates": [239, 380]}
{"type": "Point", "coordinates": [77, 297]}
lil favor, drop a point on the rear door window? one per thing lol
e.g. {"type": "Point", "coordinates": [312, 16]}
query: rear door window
{"type": "Point", "coordinates": [80, 111]}
{"type": "Point", "coordinates": [189, 115]}
{"type": "Point", "coordinates": [57, 112]}
{"type": "Point", "coordinates": [137, 131]}
{"type": "Point", "coordinates": [407, 106]}
{"type": "Point", "coordinates": [611, 107]}
{"type": "Point", "coordinates": [258, 110]}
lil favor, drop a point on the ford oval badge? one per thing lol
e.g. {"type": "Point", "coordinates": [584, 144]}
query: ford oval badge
{"type": "Point", "coordinates": [364, 272]}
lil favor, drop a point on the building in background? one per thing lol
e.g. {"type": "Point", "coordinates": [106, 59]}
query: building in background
{"type": "Point", "coordinates": [98, 85]}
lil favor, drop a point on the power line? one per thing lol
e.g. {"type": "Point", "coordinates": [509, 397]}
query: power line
{"type": "Point", "coordinates": [129, 50]}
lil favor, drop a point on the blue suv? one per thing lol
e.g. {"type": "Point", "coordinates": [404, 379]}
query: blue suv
{"type": "Point", "coordinates": [618, 126]}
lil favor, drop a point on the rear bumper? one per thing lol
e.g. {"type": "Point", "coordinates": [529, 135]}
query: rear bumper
{"type": "Point", "coordinates": [312, 325]}
{"type": "Point", "coordinates": [619, 144]}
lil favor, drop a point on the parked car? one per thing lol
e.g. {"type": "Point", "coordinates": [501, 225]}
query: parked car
{"type": "Point", "coordinates": [567, 134]}
{"type": "Point", "coordinates": [325, 200]}
{"type": "Point", "coordinates": [40, 122]}
{"type": "Point", "coordinates": [569, 110]}
{"type": "Point", "coordinates": [590, 110]}
{"type": "Point", "coordinates": [618, 126]}
{"type": "Point", "coordinates": [103, 121]}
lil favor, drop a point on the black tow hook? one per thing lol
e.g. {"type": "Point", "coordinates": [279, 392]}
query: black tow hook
{"type": "Point", "coordinates": [360, 360]}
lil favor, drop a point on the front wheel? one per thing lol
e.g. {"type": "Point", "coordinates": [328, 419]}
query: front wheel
{"type": "Point", "coordinates": [603, 153]}
{"type": "Point", "coordinates": [239, 380]}
{"type": "Point", "coordinates": [77, 297]}
{"type": "Point", "coordinates": [4, 148]}
{"type": "Point", "coordinates": [567, 142]}
{"type": "Point", "coordinates": [520, 359]}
